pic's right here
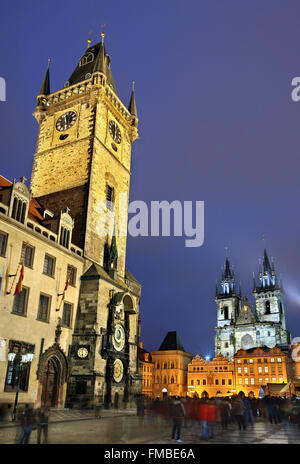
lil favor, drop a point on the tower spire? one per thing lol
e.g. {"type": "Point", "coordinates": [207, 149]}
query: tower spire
{"type": "Point", "coordinates": [132, 107]}
{"type": "Point", "coordinates": [45, 87]}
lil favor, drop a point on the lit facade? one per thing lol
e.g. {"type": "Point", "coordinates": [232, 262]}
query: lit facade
{"type": "Point", "coordinates": [72, 222]}
{"type": "Point", "coordinates": [170, 368]}
{"type": "Point", "coordinates": [210, 378]}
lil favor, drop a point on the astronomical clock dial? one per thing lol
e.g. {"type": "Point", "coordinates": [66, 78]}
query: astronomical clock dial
{"type": "Point", "coordinates": [118, 370]}
{"type": "Point", "coordinates": [115, 131]}
{"type": "Point", "coordinates": [65, 121]}
{"type": "Point", "coordinates": [82, 352]}
{"type": "Point", "coordinates": [119, 338]}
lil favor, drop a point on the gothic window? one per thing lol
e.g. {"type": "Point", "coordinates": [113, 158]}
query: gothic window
{"type": "Point", "coordinates": [110, 197]}
{"type": "Point", "coordinates": [65, 235]}
{"type": "Point", "coordinates": [247, 342]}
{"type": "Point", "coordinates": [19, 210]}
{"type": "Point", "coordinates": [172, 379]}
{"type": "Point", "coordinates": [86, 59]}
{"type": "Point", "coordinates": [225, 312]}
{"type": "Point", "coordinates": [267, 307]}
{"type": "Point", "coordinates": [17, 374]}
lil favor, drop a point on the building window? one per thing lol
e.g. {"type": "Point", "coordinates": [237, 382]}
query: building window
{"type": "Point", "coordinates": [252, 381]}
{"type": "Point", "coordinates": [267, 307]}
{"type": "Point", "coordinates": [17, 374]}
{"type": "Point", "coordinates": [240, 381]}
{"type": "Point", "coordinates": [229, 381]}
{"type": "Point", "coordinates": [260, 380]}
{"type": "Point", "coordinates": [165, 365]}
{"type": "Point", "coordinates": [65, 235]}
{"type": "Point", "coordinates": [267, 379]}
{"type": "Point", "coordinates": [223, 381]}
{"type": "Point", "coordinates": [204, 382]}
{"type": "Point", "coordinates": [67, 314]}
{"type": "Point", "coordinates": [225, 312]}
{"type": "Point", "coordinates": [239, 370]}
{"type": "Point", "coordinates": [281, 380]}
{"type": "Point", "coordinates": [259, 369]}
{"type": "Point", "coordinates": [71, 275]}
{"type": "Point", "coordinates": [279, 360]}
{"type": "Point", "coordinates": [226, 344]}
{"type": "Point", "coordinates": [157, 379]}
{"type": "Point", "coordinates": [272, 360]}
{"type": "Point", "coordinates": [192, 382]}
{"type": "Point", "coordinates": [246, 370]}
{"type": "Point", "coordinates": [251, 361]}
{"type": "Point", "coordinates": [239, 361]}
{"type": "Point", "coordinates": [27, 254]}
{"type": "Point", "coordinates": [217, 382]}
{"type": "Point", "coordinates": [19, 210]}
{"type": "Point", "coordinates": [3, 243]}
{"type": "Point", "coordinates": [110, 197]}
{"type": "Point", "coordinates": [246, 381]}
{"type": "Point", "coordinates": [44, 308]}
{"type": "Point", "coordinates": [266, 369]}
{"type": "Point", "coordinates": [273, 379]}
{"type": "Point", "coordinates": [172, 379]}
{"type": "Point", "coordinates": [49, 265]}
{"type": "Point", "coordinates": [20, 302]}
{"type": "Point", "coordinates": [198, 382]}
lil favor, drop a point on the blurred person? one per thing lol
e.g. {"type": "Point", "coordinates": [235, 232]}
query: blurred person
{"type": "Point", "coordinates": [27, 420]}
{"type": "Point", "coordinates": [248, 412]}
{"type": "Point", "coordinates": [225, 414]}
{"type": "Point", "coordinates": [238, 411]}
{"type": "Point", "coordinates": [203, 415]}
{"type": "Point", "coordinates": [211, 418]}
{"type": "Point", "coordinates": [177, 414]}
{"type": "Point", "coordinates": [42, 424]}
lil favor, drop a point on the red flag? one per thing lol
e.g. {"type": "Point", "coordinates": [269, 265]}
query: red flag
{"type": "Point", "coordinates": [20, 281]}
{"type": "Point", "coordinates": [66, 287]}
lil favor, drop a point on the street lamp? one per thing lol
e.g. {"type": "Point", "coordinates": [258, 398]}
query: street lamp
{"type": "Point", "coordinates": [20, 361]}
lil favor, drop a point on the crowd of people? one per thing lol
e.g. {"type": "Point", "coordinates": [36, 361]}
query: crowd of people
{"type": "Point", "coordinates": [30, 419]}
{"type": "Point", "coordinates": [203, 415]}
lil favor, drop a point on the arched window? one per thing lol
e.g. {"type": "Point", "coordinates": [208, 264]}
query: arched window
{"type": "Point", "coordinates": [172, 365]}
{"type": "Point", "coordinates": [225, 312]}
{"type": "Point", "coordinates": [165, 365]}
{"type": "Point", "coordinates": [267, 307]}
{"type": "Point", "coordinates": [172, 379]}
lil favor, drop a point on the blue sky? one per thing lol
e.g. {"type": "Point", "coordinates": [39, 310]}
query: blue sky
{"type": "Point", "coordinates": [217, 123]}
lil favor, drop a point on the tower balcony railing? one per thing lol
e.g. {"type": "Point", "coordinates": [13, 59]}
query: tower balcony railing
{"type": "Point", "coordinates": [76, 89]}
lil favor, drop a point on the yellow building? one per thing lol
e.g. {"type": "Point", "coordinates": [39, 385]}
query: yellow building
{"type": "Point", "coordinates": [72, 224]}
{"type": "Point", "coordinates": [260, 367]}
{"type": "Point", "coordinates": [210, 378]}
{"type": "Point", "coordinates": [170, 368]}
{"type": "Point", "coordinates": [147, 370]}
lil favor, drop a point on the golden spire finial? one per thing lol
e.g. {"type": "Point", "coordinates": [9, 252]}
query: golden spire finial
{"type": "Point", "coordinates": [89, 41]}
{"type": "Point", "coordinates": [103, 33]}
{"type": "Point", "coordinates": [133, 82]}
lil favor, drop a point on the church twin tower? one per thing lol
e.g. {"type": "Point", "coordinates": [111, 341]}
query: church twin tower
{"type": "Point", "coordinates": [239, 326]}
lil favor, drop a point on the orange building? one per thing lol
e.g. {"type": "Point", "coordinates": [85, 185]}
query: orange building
{"type": "Point", "coordinates": [210, 378]}
{"type": "Point", "coordinates": [263, 367]}
{"type": "Point", "coordinates": [147, 370]}
{"type": "Point", "coordinates": [170, 368]}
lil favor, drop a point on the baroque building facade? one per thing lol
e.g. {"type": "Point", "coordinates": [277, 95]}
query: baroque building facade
{"type": "Point", "coordinates": [239, 326]}
{"type": "Point", "coordinates": [64, 240]}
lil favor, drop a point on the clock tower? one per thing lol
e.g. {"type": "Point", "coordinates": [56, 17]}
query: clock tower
{"type": "Point", "coordinates": [83, 162]}
{"type": "Point", "coordinates": [83, 153]}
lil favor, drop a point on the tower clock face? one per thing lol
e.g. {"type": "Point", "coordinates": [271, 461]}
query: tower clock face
{"type": "Point", "coordinates": [115, 131]}
{"type": "Point", "coordinates": [82, 352]}
{"type": "Point", "coordinates": [119, 338]}
{"type": "Point", "coordinates": [65, 121]}
{"type": "Point", "coordinates": [118, 370]}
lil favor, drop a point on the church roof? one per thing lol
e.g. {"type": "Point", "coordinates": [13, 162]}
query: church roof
{"type": "Point", "coordinates": [171, 342]}
{"type": "Point", "coordinates": [96, 65]}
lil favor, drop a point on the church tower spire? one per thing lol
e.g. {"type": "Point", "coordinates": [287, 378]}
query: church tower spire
{"type": "Point", "coordinates": [45, 87]}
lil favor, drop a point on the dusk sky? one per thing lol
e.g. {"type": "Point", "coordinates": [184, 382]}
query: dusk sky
{"type": "Point", "coordinates": [216, 121]}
